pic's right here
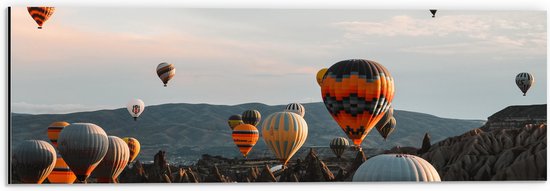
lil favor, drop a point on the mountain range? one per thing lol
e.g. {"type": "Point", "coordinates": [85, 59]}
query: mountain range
{"type": "Point", "coordinates": [186, 131]}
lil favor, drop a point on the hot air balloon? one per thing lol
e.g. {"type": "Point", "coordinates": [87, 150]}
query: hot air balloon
{"type": "Point", "coordinates": [357, 93]}
{"type": "Point", "coordinates": [235, 120]}
{"type": "Point", "coordinates": [339, 145]}
{"type": "Point", "coordinates": [524, 81]}
{"type": "Point", "coordinates": [387, 129]}
{"type": "Point", "coordinates": [384, 122]}
{"type": "Point", "coordinates": [284, 133]}
{"type": "Point", "coordinates": [61, 173]}
{"type": "Point", "coordinates": [34, 160]}
{"type": "Point", "coordinates": [135, 107]}
{"type": "Point", "coordinates": [114, 161]}
{"type": "Point", "coordinates": [296, 108]}
{"type": "Point", "coordinates": [166, 72]}
{"type": "Point", "coordinates": [40, 14]}
{"type": "Point", "coordinates": [251, 117]}
{"type": "Point", "coordinates": [54, 129]}
{"type": "Point", "coordinates": [396, 167]}
{"type": "Point", "coordinates": [83, 145]}
{"type": "Point", "coordinates": [133, 146]}
{"type": "Point", "coordinates": [433, 12]}
{"type": "Point", "coordinates": [245, 137]}
{"type": "Point", "coordinates": [320, 74]}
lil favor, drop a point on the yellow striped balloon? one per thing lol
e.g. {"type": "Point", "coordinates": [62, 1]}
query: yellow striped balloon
{"type": "Point", "coordinates": [134, 146]}
{"type": "Point", "coordinates": [284, 133]}
{"type": "Point", "coordinates": [235, 120]}
{"type": "Point", "coordinates": [166, 72]}
{"type": "Point", "coordinates": [40, 14]}
{"type": "Point", "coordinates": [54, 129]}
{"type": "Point", "coordinates": [320, 74]}
{"type": "Point", "coordinates": [61, 173]}
{"type": "Point", "coordinates": [245, 137]}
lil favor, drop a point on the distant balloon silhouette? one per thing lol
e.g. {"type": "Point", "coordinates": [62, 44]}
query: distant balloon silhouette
{"type": "Point", "coordinates": [433, 11]}
{"type": "Point", "coordinates": [524, 81]}
{"type": "Point", "coordinates": [34, 160]}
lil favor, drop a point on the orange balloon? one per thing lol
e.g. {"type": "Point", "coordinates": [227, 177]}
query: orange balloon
{"type": "Point", "coordinates": [245, 137]}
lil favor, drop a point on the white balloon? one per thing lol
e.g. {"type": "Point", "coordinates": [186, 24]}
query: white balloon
{"type": "Point", "coordinates": [135, 107]}
{"type": "Point", "coordinates": [396, 167]}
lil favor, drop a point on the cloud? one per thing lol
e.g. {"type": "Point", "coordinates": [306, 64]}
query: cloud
{"type": "Point", "coordinates": [456, 33]}
{"type": "Point", "coordinates": [30, 108]}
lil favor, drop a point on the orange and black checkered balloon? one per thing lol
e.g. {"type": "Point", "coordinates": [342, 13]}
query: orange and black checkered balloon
{"type": "Point", "coordinates": [357, 93]}
{"type": "Point", "coordinates": [40, 14]}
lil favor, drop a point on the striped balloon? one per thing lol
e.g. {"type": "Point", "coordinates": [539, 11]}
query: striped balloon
{"type": "Point", "coordinates": [83, 146]}
{"type": "Point", "coordinates": [284, 133]}
{"type": "Point", "coordinates": [357, 93]}
{"type": "Point", "coordinates": [296, 108]}
{"type": "Point", "coordinates": [339, 145]}
{"type": "Point", "coordinates": [134, 146]}
{"type": "Point", "coordinates": [166, 72]}
{"type": "Point", "coordinates": [385, 120]}
{"type": "Point", "coordinates": [61, 173]}
{"type": "Point", "coordinates": [524, 81]}
{"type": "Point", "coordinates": [320, 74]}
{"type": "Point", "coordinates": [396, 167]}
{"type": "Point", "coordinates": [245, 137]}
{"type": "Point", "coordinates": [251, 117]}
{"type": "Point", "coordinates": [114, 161]}
{"type": "Point", "coordinates": [54, 129]}
{"type": "Point", "coordinates": [235, 120]}
{"type": "Point", "coordinates": [388, 128]}
{"type": "Point", "coordinates": [34, 160]}
{"type": "Point", "coordinates": [40, 14]}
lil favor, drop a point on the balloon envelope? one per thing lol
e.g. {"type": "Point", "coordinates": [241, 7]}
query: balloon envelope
{"type": "Point", "coordinates": [235, 120]}
{"type": "Point", "coordinates": [245, 137]}
{"type": "Point", "coordinates": [61, 173]}
{"type": "Point", "coordinates": [357, 93]}
{"type": "Point", "coordinates": [296, 108]}
{"type": "Point", "coordinates": [524, 81]}
{"type": "Point", "coordinates": [114, 161]}
{"type": "Point", "coordinates": [396, 167]}
{"type": "Point", "coordinates": [34, 160]}
{"type": "Point", "coordinates": [339, 145]}
{"type": "Point", "coordinates": [320, 74]}
{"type": "Point", "coordinates": [135, 107]}
{"type": "Point", "coordinates": [41, 14]}
{"type": "Point", "coordinates": [166, 72]}
{"type": "Point", "coordinates": [251, 117]}
{"type": "Point", "coordinates": [83, 146]}
{"type": "Point", "coordinates": [284, 133]}
{"type": "Point", "coordinates": [133, 146]}
{"type": "Point", "coordinates": [54, 129]}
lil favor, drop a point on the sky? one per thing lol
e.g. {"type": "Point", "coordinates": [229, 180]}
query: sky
{"type": "Point", "coordinates": [461, 64]}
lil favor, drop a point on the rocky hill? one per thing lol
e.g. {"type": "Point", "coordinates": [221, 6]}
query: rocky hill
{"type": "Point", "coordinates": [187, 131]}
{"type": "Point", "coordinates": [513, 150]}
